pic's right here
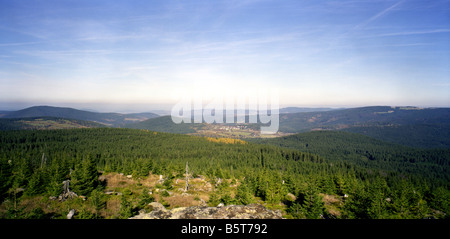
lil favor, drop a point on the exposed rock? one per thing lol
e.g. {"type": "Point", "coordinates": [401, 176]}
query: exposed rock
{"type": "Point", "coordinates": [251, 211]}
{"type": "Point", "coordinates": [157, 206]}
{"type": "Point", "coordinates": [291, 197]}
{"type": "Point", "coordinates": [70, 214]}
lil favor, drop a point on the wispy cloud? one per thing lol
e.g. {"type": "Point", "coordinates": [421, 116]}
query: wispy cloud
{"type": "Point", "coordinates": [123, 51]}
{"type": "Point", "coordinates": [407, 33]}
{"type": "Point", "coordinates": [64, 53]}
{"type": "Point", "coordinates": [22, 32]}
{"type": "Point", "coordinates": [18, 44]}
{"type": "Point", "coordinates": [378, 15]}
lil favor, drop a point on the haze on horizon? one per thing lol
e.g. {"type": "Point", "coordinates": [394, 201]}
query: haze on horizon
{"type": "Point", "coordinates": [141, 55]}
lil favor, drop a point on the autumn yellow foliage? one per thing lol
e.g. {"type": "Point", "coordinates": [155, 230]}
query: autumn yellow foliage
{"type": "Point", "coordinates": [226, 140]}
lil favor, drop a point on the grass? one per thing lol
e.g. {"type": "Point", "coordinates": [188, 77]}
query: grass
{"type": "Point", "coordinates": [333, 204]}
{"type": "Point", "coordinates": [117, 187]}
{"type": "Point", "coordinates": [120, 186]}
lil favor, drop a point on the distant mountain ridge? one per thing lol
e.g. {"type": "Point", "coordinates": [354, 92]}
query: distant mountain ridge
{"type": "Point", "coordinates": [109, 119]}
{"type": "Point", "coordinates": [304, 109]}
{"type": "Point", "coordinates": [412, 126]}
{"type": "Point", "coordinates": [41, 123]}
{"type": "Point", "coordinates": [363, 116]}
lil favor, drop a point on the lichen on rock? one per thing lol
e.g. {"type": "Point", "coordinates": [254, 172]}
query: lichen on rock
{"type": "Point", "coordinates": [251, 211]}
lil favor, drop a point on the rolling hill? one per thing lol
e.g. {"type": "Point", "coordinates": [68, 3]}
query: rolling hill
{"type": "Point", "coordinates": [416, 127]}
{"type": "Point", "coordinates": [409, 126]}
{"type": "Point", "coordinates": [45, 123]}
{"type": "Point", "coordinates": [303, 109]}
{"type": "Point", "coordinates": [364, 116]}
{"type": "Point", "coordinates": [363, 151]}
{"type": "Point", "coordinates": [163, 124]}
{"type": "Point", "coordinates": [109, 119]}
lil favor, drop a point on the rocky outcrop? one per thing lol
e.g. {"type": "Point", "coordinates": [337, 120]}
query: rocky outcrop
{"type": "Point", "coordinates": [70, 214]}
{"type": "Point", "coordinates": [251, 211]}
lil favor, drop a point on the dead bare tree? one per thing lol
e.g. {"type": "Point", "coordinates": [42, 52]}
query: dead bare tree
{"type": "Point", "coordinates": [43, 160]}
{"type": "Point", "coordinates": [187, 178]}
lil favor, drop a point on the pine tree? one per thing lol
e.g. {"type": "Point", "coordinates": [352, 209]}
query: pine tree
{"type": "Point", "coordinates": [340, 184]}
{"type": "Point", "coordinates": [126, 209]}
{"type": "Point", "coordinates": [146, 167]}
{"type": "Point", "coordinates": [145, 198]}
{"type": "Point", "coordinates": [55, 186]}
{"type": "Point", "coordinates": [419, 207]}
{"type": "Point", "coordinates": [401, 204]}
{"type": "Point", "coordinates": [5, 177]}
{"type": "Point", "coordinates": [440, 200]}
{"type": "Point", "coordinates": [313, 204]}
{"type": "Point", "coordinates": [297, 211]}
{"type": "Point", "coordinates": [243, 194]}
{"type": "Point", "coordinates": [378, 196]}
{"type": "Point", "coordinates": [97, 200]}
{"type": "Point", "coordinates": [36, 184]}
{"type": "Point", "coordinates": [85, 177]}
{"type": "Point", "coordinates": [22, 173]}
{"type": "Point", "coordinates": [214, 199]}
{"type": "Point", "coordinates": [56, 177]}
{"type": "Point", "coordinates": [356, 204]}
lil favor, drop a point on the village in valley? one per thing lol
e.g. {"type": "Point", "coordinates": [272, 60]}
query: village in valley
{"type": "Point", "coordinates": [235, 131]}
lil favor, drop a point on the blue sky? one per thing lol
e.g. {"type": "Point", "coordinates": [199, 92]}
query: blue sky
{"type": "Point", "coordinates": [141, 55]}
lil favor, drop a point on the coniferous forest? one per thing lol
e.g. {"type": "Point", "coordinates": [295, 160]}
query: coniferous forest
{"type": "Point", "coordinates": [369, 181]}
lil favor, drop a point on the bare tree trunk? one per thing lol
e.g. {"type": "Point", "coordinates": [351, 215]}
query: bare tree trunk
{"type": "Point", "coordinates": [187, 178]}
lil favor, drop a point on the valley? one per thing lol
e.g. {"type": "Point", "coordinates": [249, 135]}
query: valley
{"type": "Point", "coordinates": [235, 131]}
{"type": "Point", "coordinates": [116, 173]}
{"type": "Point", "coordinates": [328, 164]}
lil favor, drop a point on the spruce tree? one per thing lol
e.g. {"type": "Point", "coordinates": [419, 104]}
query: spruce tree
{"type": "Point", "coordinates": [97, 200]}
{"type": "Point", "coordinates": [313, 205]}
{"type": "Point", "coordinates": [5, 177]}
{"type": "Point", "coordinates": [378, 199]}
{"type": "Point", "coordinates": [214, 199]}
{"type": "Point", "coordinates": [296, 210]}
{"type": "Point", "coordinates": [85, 177]}
{"type": "Point", "coordinates": [22, 173]}
{"type": "Point", "coordinates": [145, 198]}
{"type": "Point", "coordinates": [355, 206]}
{"type": "Point", "coordinates": [36, 184]}
{"type": "Point", "coordinates": [243, 194]}
{"type": "Point", "coordinates": [126, 209]}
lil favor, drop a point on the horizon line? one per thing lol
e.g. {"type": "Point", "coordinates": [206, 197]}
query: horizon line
{"type": "Point", "coordinates": [224, 109]}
